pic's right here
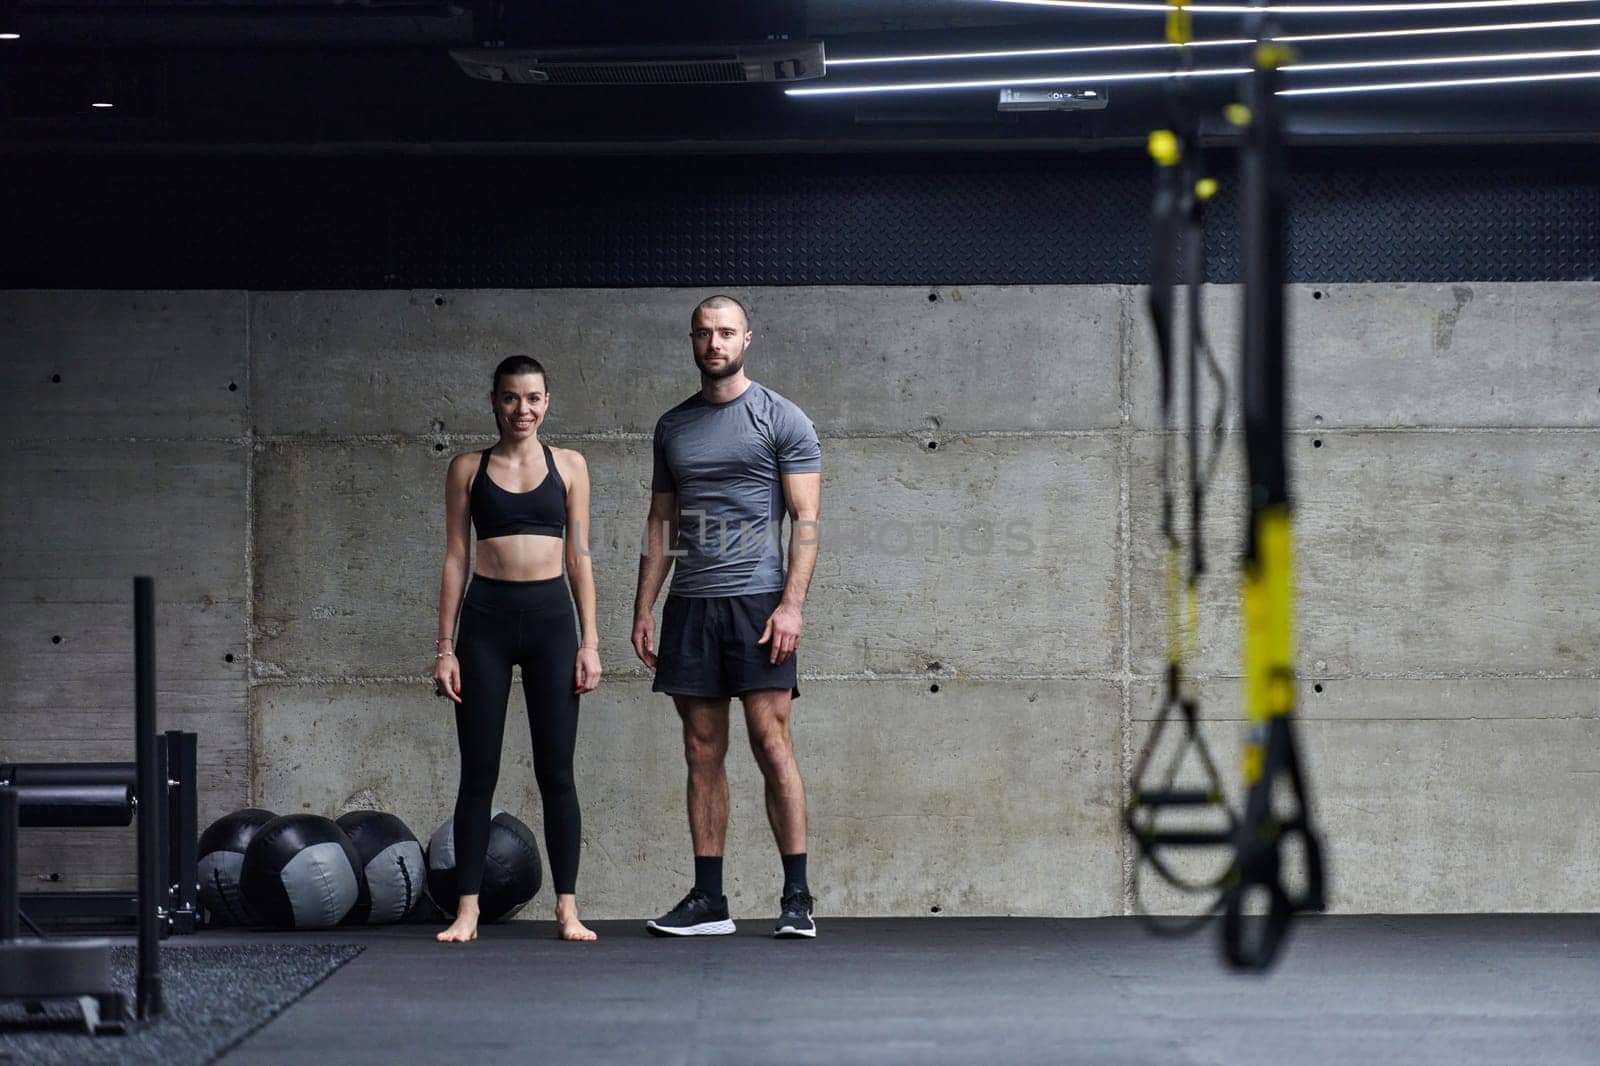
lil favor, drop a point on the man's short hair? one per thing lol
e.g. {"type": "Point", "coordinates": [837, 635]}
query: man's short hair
{"type": "Point", "coordinates": [718, 303]}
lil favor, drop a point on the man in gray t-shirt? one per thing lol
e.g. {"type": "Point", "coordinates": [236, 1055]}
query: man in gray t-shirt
{"type": "Point", "coordinates": [724, 463]}
{"type": "Point", "coordinates": [730, 462]}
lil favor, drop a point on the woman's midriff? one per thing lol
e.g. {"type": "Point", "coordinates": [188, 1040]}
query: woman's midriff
{"type": "Point", "coordinates": [520, 557]}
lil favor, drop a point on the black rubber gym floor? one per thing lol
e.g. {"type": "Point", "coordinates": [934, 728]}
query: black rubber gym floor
{"type": "Point", "coordinates": [1366, 990]}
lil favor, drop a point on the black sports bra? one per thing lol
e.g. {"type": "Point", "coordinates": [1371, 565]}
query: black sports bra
{"type": "Point", "coordinates": [542, 511]}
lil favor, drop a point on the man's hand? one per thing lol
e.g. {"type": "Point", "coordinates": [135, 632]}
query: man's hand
{"type": "Point", "coordinates": [644, 639]}
{"type": "Point", "coordinates": [782, 632]}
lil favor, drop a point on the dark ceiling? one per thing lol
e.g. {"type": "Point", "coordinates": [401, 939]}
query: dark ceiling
{"type": "Point", "coordinates": [376, 77]}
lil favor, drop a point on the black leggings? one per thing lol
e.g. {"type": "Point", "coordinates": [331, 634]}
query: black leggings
{"type": "Point", "coordinates": [530, 624]}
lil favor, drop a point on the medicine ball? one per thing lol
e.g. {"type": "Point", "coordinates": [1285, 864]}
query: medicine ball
{"type": "Point", "coordinates": [512, 871]}
{"type": "Point", "coordinates": [392, 862]}
{"type": "Point", "coordinates": [222, 848]}
{"type": "Point", "coordinates": [301, 872]}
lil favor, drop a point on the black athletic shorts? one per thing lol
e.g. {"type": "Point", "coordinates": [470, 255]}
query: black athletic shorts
{"type": "Point", "coordinates": [708, 647]}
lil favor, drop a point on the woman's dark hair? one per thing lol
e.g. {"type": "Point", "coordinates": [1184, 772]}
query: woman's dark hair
{"type": "Point", "coordinates": [519, 364]}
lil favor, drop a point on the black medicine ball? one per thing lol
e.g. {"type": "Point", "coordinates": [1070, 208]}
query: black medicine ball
{"type": "Point", "coordinates": [512, 871]}
{"type": "Point", "coordinates": [222, 848]}
{"type": "Point", "coordinates": [301, 872]}
{"type": "Point", "coordinates": [392, 863]}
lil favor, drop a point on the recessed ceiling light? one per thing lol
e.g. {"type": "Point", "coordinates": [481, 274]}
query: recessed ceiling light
{"type": "Point", "coordinates": [102, 104]}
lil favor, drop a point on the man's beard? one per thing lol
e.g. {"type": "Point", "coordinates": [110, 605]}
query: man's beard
{"type": "Point", "coordinates": [729, 368]}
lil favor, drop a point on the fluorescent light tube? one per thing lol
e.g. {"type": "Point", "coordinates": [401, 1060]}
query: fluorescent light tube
{"type": "Point", "coordinates": [1153, 46]}
{"type": "Point", "coordinates": [1295, 9]}
{"type": "Point", "coordinates": [1452, 83]}
{"type": "Point", "coordinates": [1157, 75]}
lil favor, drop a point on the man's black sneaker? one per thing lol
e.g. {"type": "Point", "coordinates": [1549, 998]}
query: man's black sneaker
{"type": "Point", "coordinates": [795, 921]}
{"type": "Point", "coordinates": [695, 915]}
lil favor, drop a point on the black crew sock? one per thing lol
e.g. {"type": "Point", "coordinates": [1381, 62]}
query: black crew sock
{"type": "Point", "coordinates": [794, 873]}
{"type": "Point", "coordinates": [708, 876]}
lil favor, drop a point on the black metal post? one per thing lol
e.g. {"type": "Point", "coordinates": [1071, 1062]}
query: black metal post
{"type": "Point", "coordinates": [151, 1004]}
{"type": "Point", "coordinates": [8, 864]}
{"type": "Point", "coordinates": [183, 831]}
{"type": "Point", "coordinates": [1265, 258]}
{"type": "Point", "coordinates": [164, 886]}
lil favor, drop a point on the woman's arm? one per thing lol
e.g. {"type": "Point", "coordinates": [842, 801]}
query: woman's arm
{"type": "Point", "coordinates": [580, 570]}
{"type": "Point", "coordinates": [453, 580]}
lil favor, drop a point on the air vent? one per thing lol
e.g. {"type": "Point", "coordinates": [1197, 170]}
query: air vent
{"type": "Point", "coordinates": [685, 73]}
{"type": "Point", "coordinates": [778, 61]}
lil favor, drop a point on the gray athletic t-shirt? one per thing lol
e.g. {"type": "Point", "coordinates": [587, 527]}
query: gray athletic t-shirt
{"type": "Point", "coordinates": [725, 462]}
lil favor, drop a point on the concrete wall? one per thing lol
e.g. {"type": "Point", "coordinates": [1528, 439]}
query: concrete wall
{"type": "Point", "coordinates": [984, 634]}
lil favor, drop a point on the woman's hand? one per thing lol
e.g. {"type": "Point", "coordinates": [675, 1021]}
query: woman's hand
{"type": "Point", "coordinates": [447, 676]}
{"type": "Point", "coordinates": [586, 673]}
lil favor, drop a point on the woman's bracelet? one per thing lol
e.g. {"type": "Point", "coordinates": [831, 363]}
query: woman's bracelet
{"type": "Point", "coordinates": [442, 654]}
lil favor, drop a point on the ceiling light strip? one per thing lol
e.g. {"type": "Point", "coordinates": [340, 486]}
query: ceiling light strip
{"type": "Point", "coordinates": [1151, 46]}
{"type": "Point", "coordinates": [1329, 90]}
{"type": "Point", "coordinates": [1024, 53]}
{"type": "Point", "coordinates": [1439, 61]}
{"type": "Point", "coordinates": [1011, 83]}
{"type": "Point", "coordinates": [1155, 75]}
{"type": "Point", "coordinates": [1295, 9]}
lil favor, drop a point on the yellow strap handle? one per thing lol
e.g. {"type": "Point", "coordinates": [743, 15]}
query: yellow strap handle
{"type": "Point", "coordinates": [1180, 27]}
{"type": "Point", "coordinates": [1269, 619]}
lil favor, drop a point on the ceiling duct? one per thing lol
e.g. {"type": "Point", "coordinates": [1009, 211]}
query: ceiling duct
{"type": "Point", "coordinates": [633, 42]}
{"type": "Point", "coordinates": [766, 61]}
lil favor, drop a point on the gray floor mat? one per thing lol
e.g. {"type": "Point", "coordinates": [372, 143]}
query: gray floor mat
{"type": "Point", "coordinates": [215, 997]}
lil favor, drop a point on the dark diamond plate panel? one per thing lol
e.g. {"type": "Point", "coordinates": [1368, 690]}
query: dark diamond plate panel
{"type": "Point", "coordinates": [1531, 213]}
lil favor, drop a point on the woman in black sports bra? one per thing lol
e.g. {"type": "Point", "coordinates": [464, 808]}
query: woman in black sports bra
{"type": "Point", "coordinates": [529, 505]}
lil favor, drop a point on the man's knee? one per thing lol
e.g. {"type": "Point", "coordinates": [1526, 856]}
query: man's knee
{"type": "Point", "coordinates": [767, 717]}
{"type": "Point", "coordinates": [705, 742]}
{"type": "Point", "coordinates": [774, 752]}
{"type": "Point", "coordinates": [704, 752]}
{"type": "Point", "coordinates": [705, 733]}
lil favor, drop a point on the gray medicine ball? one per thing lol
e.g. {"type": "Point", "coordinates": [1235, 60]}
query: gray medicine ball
{"type": "Point", "coordinates": [392, 862]}
{"type": "Point", "coordinates": [301, 872]}
{"type": "Point", "coordinates": [222, 847]}
{"type": "Point", "coordinates": [512, 871]}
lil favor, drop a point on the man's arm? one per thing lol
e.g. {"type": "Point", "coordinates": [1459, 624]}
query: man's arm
{"type": "Point", "coordinates": [655, 560]}
{"type": "Point", "coordinates": [802, 497]}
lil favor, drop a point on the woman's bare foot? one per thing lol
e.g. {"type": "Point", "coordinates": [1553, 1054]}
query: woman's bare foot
{"type": "Point", "coordinates": [465, 927]}
{"type": "Point", "coordinates": [567, 918]}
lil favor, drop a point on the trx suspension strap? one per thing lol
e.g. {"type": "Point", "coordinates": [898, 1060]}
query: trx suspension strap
{"type": "Point", "coordinates": [1259, 904]}
{"type": "Point", "coordinates": [1167, 809]}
